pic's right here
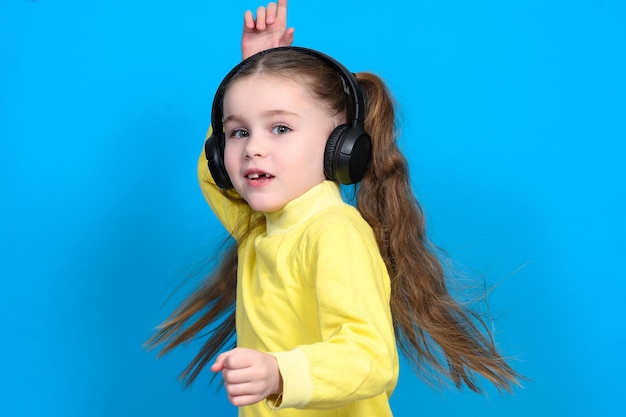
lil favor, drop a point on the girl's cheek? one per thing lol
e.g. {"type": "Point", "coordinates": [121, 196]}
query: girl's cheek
{"type": "Point", "coordinates": [230, 162]}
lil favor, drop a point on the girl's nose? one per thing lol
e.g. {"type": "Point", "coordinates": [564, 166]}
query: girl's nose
{"type": "Point", "coordinates": [254, 147]}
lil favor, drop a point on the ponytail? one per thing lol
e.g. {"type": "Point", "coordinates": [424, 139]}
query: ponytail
{"type": "Point", "coordinates": [422, 308]}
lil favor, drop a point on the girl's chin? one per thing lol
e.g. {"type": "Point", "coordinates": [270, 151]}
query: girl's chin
{"type": "Point", "coordinates": [264, 206]}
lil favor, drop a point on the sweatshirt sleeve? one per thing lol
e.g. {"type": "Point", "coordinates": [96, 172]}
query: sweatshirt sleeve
{"type": "Point", "coordinates": [228, 206]}
{"type": "Point", "coordinates": [357, 357]}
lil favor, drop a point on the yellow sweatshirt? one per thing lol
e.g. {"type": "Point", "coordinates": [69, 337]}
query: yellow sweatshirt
{"type": "Point", "coordinates": [313, 291]}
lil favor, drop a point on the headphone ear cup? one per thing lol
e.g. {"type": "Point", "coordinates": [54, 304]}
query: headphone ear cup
{"type": "Point", "coordinates": [214, 151]}
{"type": "Point", "coordinates": [347, 155]}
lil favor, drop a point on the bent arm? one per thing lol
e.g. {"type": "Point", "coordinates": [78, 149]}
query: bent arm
{"type": "Point", "coordinates": [357, 357]}
{"type": "Point", "coordinates": [229, 208]}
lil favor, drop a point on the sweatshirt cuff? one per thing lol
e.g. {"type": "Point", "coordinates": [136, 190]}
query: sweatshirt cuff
{"type": "Point", "coordinates": [297, 384]}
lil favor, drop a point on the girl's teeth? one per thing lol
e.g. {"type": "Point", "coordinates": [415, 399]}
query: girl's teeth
{"type": "Point", "coordinates": [257, 176]}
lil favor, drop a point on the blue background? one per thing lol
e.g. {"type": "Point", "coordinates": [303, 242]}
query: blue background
{"type": "Point", "coordinates": [513, 118]}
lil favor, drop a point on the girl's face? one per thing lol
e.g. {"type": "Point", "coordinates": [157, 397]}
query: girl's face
{"type": "Point", "coordinates": [275, 139]}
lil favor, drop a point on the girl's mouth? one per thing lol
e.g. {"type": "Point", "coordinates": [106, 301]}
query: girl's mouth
{"type": "Point", "coordinates": [258, 176]}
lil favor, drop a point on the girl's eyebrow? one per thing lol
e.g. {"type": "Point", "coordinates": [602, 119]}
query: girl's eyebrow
{"type": "Point", "coordinates": [232, 118]}
{"type": "Point", "coordinates": [280, 113]}
{"type": "Point", "coordinates": [268, 113]}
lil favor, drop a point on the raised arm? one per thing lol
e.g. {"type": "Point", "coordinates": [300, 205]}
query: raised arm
{"type": "Point", "coordinates": [267, 30]}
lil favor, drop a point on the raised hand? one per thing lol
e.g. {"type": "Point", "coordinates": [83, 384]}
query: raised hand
{"type": "Point", "coordinates": [268, 30]}
{"type": "Point", "coordinates": [249, 375]}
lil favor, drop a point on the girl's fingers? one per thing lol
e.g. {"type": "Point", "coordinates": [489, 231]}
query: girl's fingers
{"type": "Point", "coordinates": [243, 400]}
{"type": "Point", "coordinates": [248, 19]}
{"type": "Point", "coordinates": [260, 18]}
{"type": "Point", "coordinates": [282, 8]}
{"type": "Point", "coordinates": [287, 39]}
{"type": "Point", "coordinates": [236, 377]}
{"type": "Point", "coordinates": [218, 365]}
{"type": "Point", "coordinates": [272, 8]}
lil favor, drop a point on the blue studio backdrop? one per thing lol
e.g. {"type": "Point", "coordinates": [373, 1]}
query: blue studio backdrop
{"type": "Point", "coordinates": [513, 120]}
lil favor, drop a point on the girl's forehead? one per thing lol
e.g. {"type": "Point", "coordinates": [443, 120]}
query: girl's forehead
{"type": "Point", "coordinates": [262, 90]}
{"type": "Point", "coordinates": [270, 86]}
{"type": "Point", "coordinates": [265, 92]}
{"type": "Point", "coordinates": [277, 80]}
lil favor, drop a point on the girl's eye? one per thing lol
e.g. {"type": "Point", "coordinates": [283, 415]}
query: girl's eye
{"type": "Point", "coordinates": [280, 130]}
{"type": "Point", "coordinates": [239, 133]}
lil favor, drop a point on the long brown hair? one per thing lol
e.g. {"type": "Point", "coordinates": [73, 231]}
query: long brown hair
{"type": "Point", "coordinates": [433, 330]}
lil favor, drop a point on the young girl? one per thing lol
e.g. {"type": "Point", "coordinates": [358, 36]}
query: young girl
{"type": "Point", "coordinates": [319, 291]}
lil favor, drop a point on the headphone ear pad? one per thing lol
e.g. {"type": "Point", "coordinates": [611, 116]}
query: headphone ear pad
{"type": "Point", "coordinates": [333, 146]}
{"type": "Point", "coordinates": [214, 151]}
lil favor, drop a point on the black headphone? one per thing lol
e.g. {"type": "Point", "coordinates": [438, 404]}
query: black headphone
{"type": "Point", "coordinates": [348, 149]}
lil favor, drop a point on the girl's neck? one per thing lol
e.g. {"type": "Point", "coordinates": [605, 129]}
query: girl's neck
{"type": "Point", "coordinates": [299, 210]}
